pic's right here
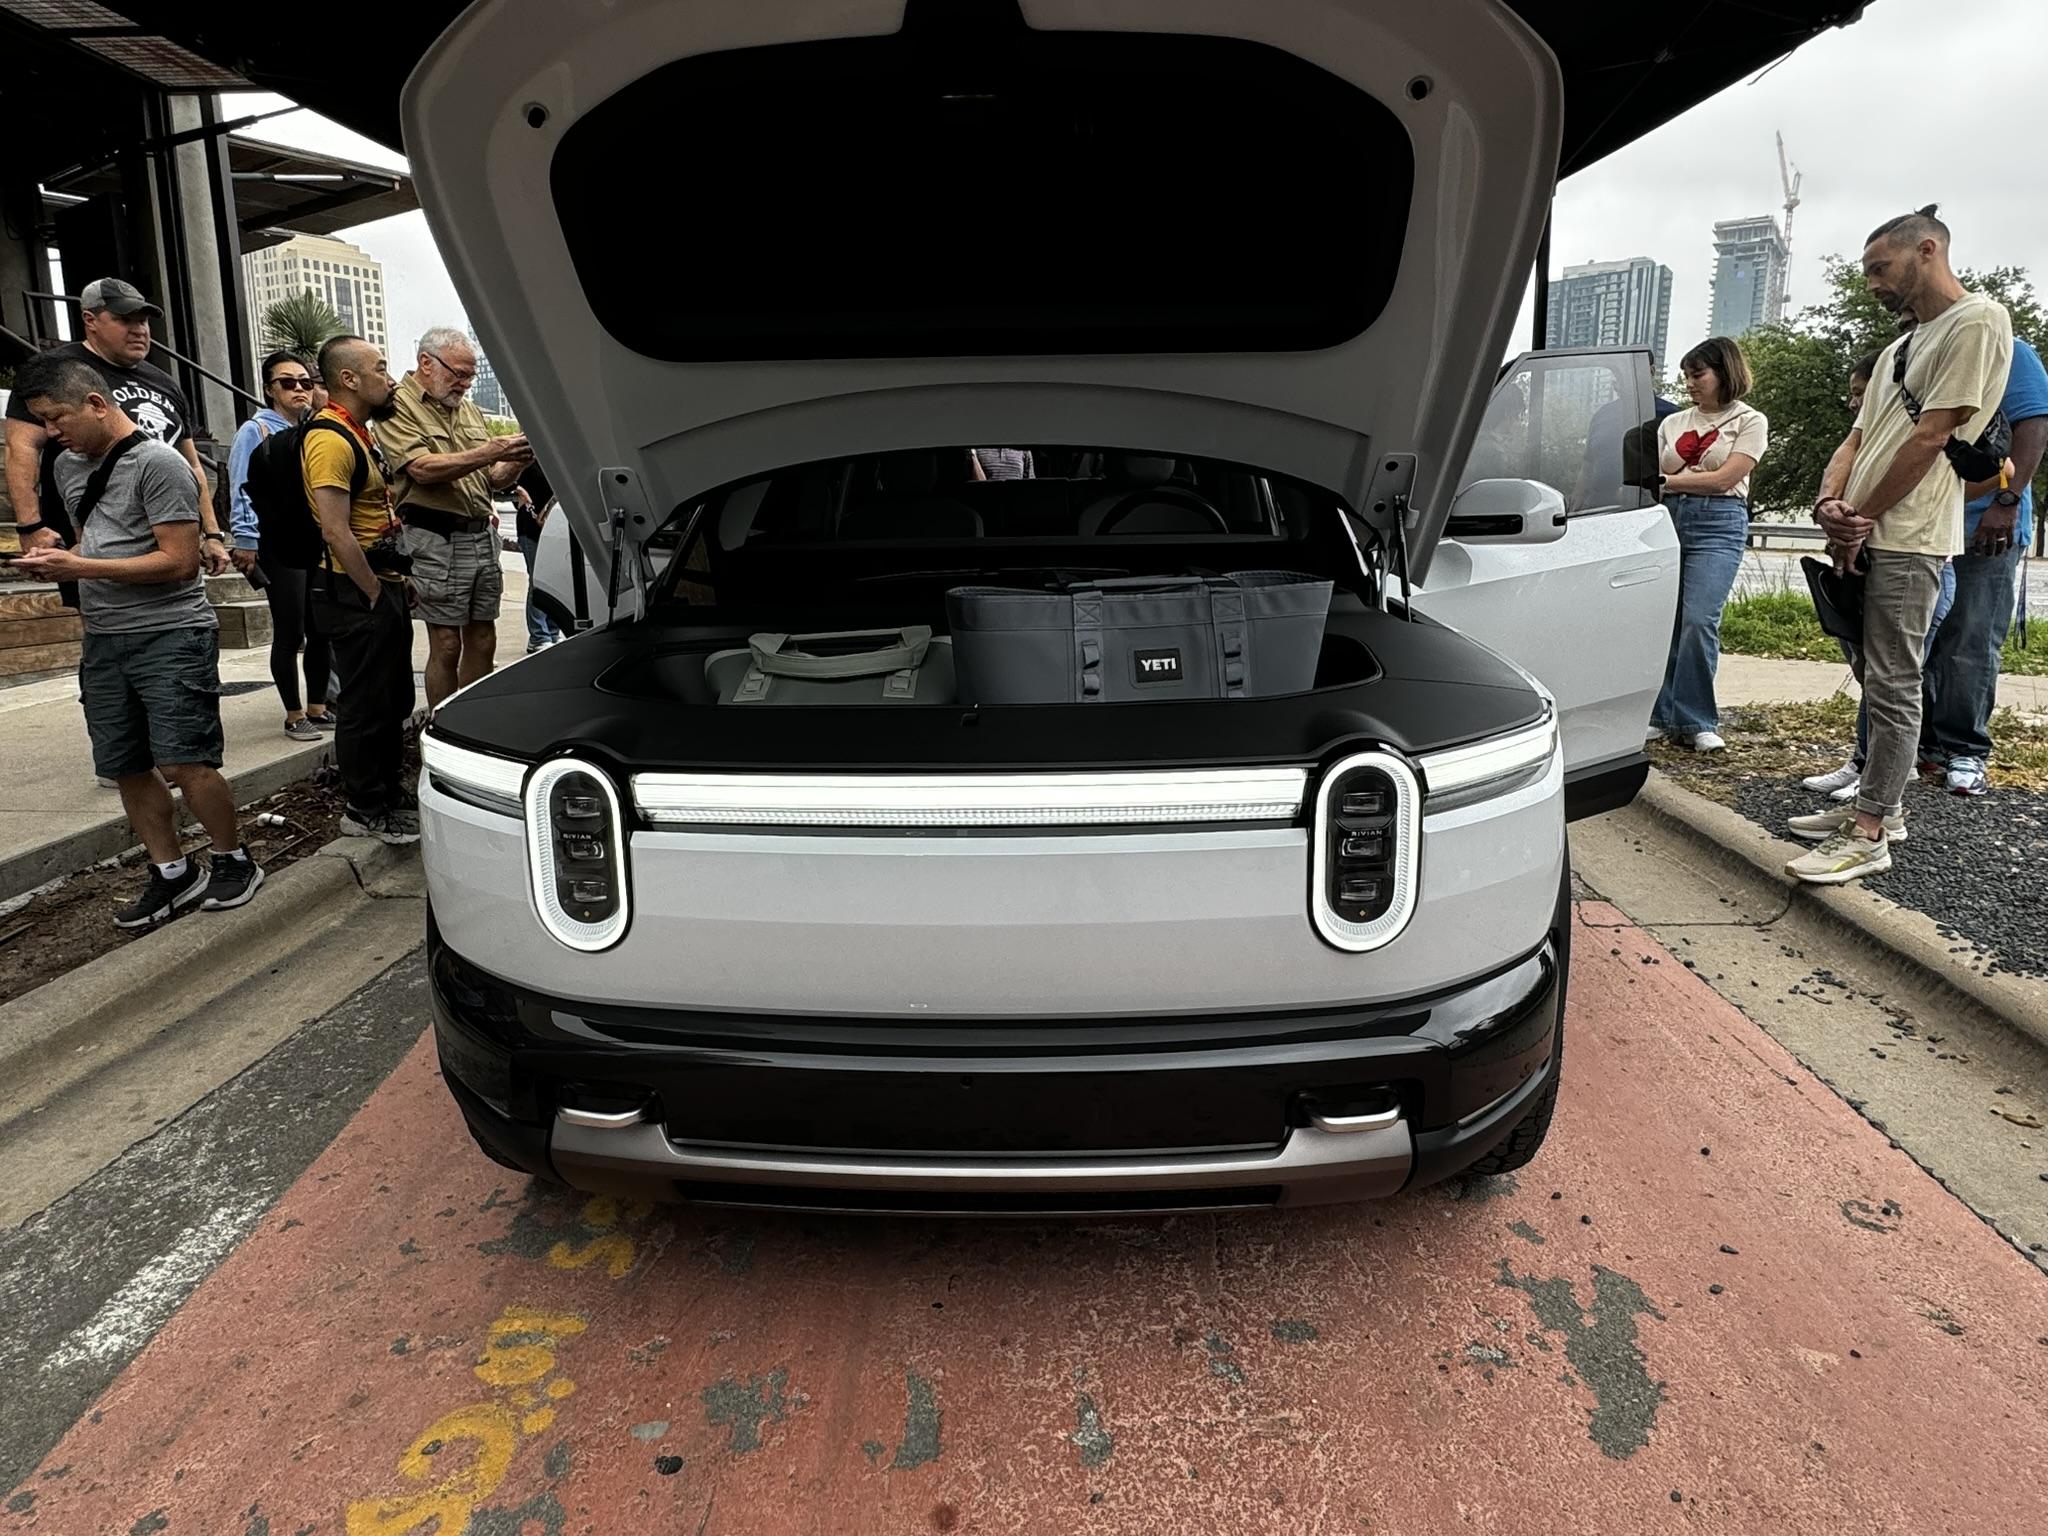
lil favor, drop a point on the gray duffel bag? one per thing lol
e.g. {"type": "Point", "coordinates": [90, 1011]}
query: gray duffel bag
{"type": "Point", "coordinates": [1248, 634]}
{"type": "Point", "coordinates": [856, 666]}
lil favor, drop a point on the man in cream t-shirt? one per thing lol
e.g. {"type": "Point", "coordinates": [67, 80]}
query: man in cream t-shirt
{"type": "Point", "coordinates": [1891, 493]}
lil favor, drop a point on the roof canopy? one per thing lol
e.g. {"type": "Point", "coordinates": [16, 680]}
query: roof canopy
{"type": "Point", "coordinates": [1628, 66]}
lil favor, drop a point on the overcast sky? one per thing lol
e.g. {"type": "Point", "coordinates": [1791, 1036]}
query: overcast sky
{"type": "Point", "coordinates": [1903, 108]}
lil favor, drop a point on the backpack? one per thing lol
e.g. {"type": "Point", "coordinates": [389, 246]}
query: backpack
{"type": "Point", "coordinates": [288, 529]}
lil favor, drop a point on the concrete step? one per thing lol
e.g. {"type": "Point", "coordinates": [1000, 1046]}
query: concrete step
{"type": "Point", "coordinates": [244, 626]}
{"type": "Point", "coordinates": [233, 587]}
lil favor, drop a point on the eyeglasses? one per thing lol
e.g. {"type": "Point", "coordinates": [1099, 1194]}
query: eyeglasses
{"type": "Point", "coordinates": [293, 381]}
{"type": "Point", "coordinates": [459, 375]}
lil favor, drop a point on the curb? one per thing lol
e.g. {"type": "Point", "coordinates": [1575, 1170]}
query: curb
{"type": "Point", "coordinates": [93, 1003]}
{"type": "Point", "coordinates": [75, 851]}
{"type": "Point", "coordinates": [1909, 940]}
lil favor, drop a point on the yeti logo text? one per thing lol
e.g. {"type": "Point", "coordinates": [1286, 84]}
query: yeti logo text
{"type": "Point", "coordinates": [1155, 667]}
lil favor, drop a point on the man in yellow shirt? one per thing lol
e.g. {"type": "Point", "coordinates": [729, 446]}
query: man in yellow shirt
{"type": "Point", "coordinates": [1892, 495]}
{"type": "Point", "coordinates": [444, 465]}
{"type": "Point", "coordinates": [360, 596]}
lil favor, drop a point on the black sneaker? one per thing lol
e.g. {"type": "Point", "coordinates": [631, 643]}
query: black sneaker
{"type": "Point", "coordinates": [382, 825]}
{"type": "Point", "coordinates": [234, 882]}
{"type": "Point", "coordinates": [326, 722]}
{"type": "Point", "coordinates": [163, 898]}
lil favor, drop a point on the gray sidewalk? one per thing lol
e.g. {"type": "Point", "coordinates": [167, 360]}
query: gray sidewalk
{"type": "Point", "coordinates": [56, 820]}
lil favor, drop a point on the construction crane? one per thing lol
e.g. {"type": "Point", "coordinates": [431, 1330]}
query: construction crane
{"type": "Point", "coordinates": [1791, 178]}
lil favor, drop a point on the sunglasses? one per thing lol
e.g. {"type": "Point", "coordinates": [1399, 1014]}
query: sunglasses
{"type": "Point", "coordinates": [293, 381]}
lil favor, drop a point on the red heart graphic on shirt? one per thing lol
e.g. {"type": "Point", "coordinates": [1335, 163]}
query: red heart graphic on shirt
{"type": "Point", "coordinates": [1691, 445]}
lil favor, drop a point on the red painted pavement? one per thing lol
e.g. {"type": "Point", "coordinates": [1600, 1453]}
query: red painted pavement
{"type": "Point", "coordinates": [413, 1336]}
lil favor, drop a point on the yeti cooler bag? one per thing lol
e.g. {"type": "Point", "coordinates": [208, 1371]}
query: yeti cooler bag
{"type": "Point", "coordinates": [864, 666]}
{"type": "Point", "coordinates": [1249, 634]}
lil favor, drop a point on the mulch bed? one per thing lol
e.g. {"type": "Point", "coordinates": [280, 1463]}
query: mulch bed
{"type": "Point", "coordinates": [72, 923]}
{"type": "Point", "coordinates": [1973, 865]}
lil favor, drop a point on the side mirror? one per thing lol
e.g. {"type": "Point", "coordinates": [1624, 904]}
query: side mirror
{"type": "Point", "coordinates": [1507, 512]}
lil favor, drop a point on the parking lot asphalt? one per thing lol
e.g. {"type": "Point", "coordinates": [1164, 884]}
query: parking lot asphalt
{"type": "Point", "coordinates": [1719, 1300]}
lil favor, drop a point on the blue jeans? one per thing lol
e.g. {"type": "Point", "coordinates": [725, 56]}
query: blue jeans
{"type": "Point", "coordinates": [1960, 684]}
{"type": "Point", "coordinates": [540, 629]}
{"type": "Point", "coordinates": [1942, 605]}
{"type": "Point", "coordinates": [1712, 533]}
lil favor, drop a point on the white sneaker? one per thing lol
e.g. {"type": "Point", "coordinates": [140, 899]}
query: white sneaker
{"type": "Point", "coordinates": [1965, 776]}
{"type": "Point", "coordinates": [1654, 733]}
{"type": "Point", "coordinates": [1848, 776]}
{"type": "Point", "coordinates": [1708, 741]}
{"type": "Point", "coordinates": [1845, 856]}
{"type": "Point", "coordinates": [104, 782]}
{"type": "Point", "coordinates": [1848, 791]}
{"type": "Point", "coordinates": [1822, 825]}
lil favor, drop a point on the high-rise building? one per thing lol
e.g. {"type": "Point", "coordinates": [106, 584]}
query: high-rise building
{"type": "Point", "coordinates": [487, 392]}
{"type": "Point", "coordinates": [1750, 260]}
{"type": "Point", "coordinates": [1612, 304]}
{"type": "Point", "coordinates": [347, 277]}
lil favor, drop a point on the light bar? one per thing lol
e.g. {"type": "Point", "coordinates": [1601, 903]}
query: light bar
{"type": "Point", "coordinates": [492, 782]}
{"type": "Point", "coordinates": [1499, 757]}
{"type": "Point", "coordinates": [971, 800]}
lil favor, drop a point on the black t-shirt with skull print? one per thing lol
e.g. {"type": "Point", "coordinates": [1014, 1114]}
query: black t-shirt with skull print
{"type": "Point", "coordinates": [149, 396]}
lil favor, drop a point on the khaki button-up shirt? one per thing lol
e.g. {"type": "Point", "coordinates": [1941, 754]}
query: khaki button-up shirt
{"type": "Point", "coordinates": [420, 426]}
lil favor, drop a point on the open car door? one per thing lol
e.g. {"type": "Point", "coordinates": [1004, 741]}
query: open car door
{"type": "Point", "coordinates": [1586, 604]}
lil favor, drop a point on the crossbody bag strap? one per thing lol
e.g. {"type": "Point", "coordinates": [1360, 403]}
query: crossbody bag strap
{"type": "Point", "coordinates": [103, 472]}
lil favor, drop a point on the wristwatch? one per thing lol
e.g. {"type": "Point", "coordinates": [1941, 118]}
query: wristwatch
{"type": "Point", "coordinates": [2007, 497]}
{"type": "Point", "coordinates": [25, 529]}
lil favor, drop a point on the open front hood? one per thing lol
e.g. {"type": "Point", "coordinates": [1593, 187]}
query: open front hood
{"type": "Point", "coordinates": [703, 241]}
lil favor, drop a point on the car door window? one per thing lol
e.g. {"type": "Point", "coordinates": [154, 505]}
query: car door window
{"type": "Point", "coordinates": [1578, 423]}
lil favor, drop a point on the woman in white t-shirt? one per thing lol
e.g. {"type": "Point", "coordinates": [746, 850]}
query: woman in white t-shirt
{"type": "Point", "coordinates": [1706, 453]}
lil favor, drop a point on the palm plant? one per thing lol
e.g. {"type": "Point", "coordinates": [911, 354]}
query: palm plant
{"type": "Point", "coordinates": [301, 323]}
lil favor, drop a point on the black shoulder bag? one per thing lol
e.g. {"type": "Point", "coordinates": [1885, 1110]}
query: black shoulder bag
{"type": "Point", "coordinates": [1980, 460]}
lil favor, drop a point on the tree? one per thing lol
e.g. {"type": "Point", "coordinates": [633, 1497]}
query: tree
{"type": "Point", "coordinates": [302, 323]}
{"type": "Point", "coordinates": [1802, 373]}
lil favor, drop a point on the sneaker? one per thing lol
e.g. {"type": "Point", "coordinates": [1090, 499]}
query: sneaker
{"type": "Point", "coordinates": [406, 819]}
{"type": "Point", "coordinates": [234, 882]}
{"type": "Point", "coordinates": [104, 782]}
{"type": "Point", "coordinates": [1931, 767]}
{"type": "Point", "coordinates": [382, 825]}
{"type": "Point", "coordinates": [1654, 732]}
{"type": "Point", "coordinates": [1822, 825]}
{"type": "Point", "coordinates": [537, 645]}
{"type": "Point", "coordinates": [325, 722]}
{"type": "Point", "coordinates": [1845, 856]}
{"type": "Point", "coordinates": [1965, 776]}
{"type": "Point", "coordinates": [1708, 741]}
{"type": "Point", "coordinates": [302, 730]}
{"type": "Point", "coordinates": [1848, 776]}
{"type": "Point", "coordinates": [163, 898]}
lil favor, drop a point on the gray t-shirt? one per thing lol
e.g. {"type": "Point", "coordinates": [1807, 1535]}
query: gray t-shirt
{"type": "Point", "coordinates": [152, 484]}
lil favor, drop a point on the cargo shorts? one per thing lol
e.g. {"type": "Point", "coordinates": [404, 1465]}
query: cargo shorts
{"type": "Point", "coordinates": [458, 577]}
{"type": "Point", "coordinates": [152, 699]}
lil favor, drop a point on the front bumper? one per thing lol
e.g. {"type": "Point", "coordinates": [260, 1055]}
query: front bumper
{"type": "Point", "coordinates": [998, 1117]}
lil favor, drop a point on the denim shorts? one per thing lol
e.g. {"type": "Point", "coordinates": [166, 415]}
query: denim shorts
{"type": "Point", "coordinates": [151, 699]}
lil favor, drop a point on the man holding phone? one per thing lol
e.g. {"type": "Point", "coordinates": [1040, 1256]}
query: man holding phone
{"type": "Point", "coordinates": [149, 676]}
{"type": "Point", "coordinates": [445, 464]}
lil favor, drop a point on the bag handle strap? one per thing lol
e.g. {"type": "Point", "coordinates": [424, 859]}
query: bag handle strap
{"type": "Point", "coordinates": [103, 472]}
{"type": "Point", "coordinates": [777, 656]}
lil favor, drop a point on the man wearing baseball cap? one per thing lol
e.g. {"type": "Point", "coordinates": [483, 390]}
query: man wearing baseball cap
{"type": "Point", "coordinates": [115, 345]}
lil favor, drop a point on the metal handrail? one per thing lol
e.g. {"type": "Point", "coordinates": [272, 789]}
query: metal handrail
{"type": "Point", "coordinates": [29, 296]}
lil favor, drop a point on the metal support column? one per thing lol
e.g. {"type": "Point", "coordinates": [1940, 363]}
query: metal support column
{"type": "Point", "coordinates": [1539, 326]}
{"type": "Point", "coordinates": [227, 237]}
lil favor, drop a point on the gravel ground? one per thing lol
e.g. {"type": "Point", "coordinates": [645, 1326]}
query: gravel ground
{"type": "Point", "coordinates": [1972, 865]}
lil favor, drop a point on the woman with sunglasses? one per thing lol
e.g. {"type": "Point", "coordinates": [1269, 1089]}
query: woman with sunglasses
{"type": "Point", "coordinates": [1706, 453]}
{"type": "Point", "coordinates": [289, 388]}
